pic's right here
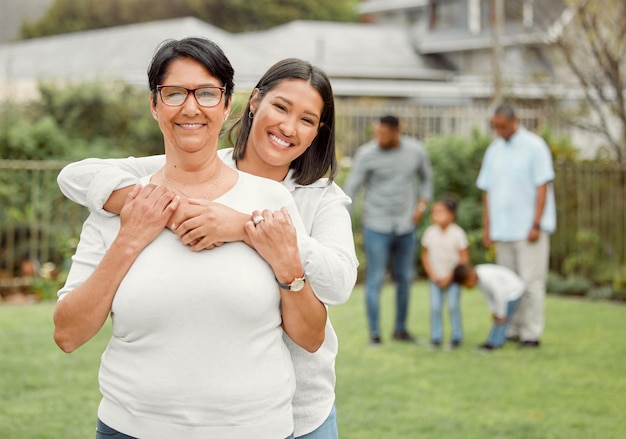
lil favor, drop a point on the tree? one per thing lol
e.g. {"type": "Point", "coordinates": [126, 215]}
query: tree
{"type": "Point", "coordinates": [89, 119]}
{"type": "Point", "coordinates": [590, 38]}
{"type": "Point", "coordinates": [65, 16]}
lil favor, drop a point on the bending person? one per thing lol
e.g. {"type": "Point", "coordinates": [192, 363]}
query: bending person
{"type": "Point", "coordinates": [285, 133]}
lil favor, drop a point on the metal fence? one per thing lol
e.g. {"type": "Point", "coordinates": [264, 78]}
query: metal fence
{"type": "Point", "coordinates": [355, 118]}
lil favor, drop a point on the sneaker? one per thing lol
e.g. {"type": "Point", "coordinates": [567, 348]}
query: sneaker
{"type": "Point", "coordinates": [528, 344]}
{"type": "Point", "coordinates": [487, 347]}
{"type": "Point", "coordinates": [434, 345]}
{"type": "Point", "coordinates": [403, 336]}
{"type": "Point", "coordinates": [375, 340]}
{"type": "Point", "coordinates": [454, 344]}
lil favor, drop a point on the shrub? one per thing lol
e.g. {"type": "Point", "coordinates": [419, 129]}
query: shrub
{"type": "Point", "coordinates": [456, 162]}
{"type": "Point", "coordinates": [571, 285]}
{"type": "Point", "coordinates": [603, 292]}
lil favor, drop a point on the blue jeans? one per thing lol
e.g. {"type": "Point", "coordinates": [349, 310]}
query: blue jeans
{"type": "Point", "coordinates": [380, 249]}
{"type": "Point", "coordinates": [103, 431]}
{"type": "Point", "coordinates": [497, 335]}
{"type": "Point", "coordinates": [328, 429]}
{"type": "Point", "coordinates": [436, 307]}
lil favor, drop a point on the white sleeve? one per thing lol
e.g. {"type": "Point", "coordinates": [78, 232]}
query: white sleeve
{"type": "Point", "coordinates": [89, 252]}
{"type": "Point", "coordinates": [328, 253]}
{"type": "Point", "coordinates": [90, 182]}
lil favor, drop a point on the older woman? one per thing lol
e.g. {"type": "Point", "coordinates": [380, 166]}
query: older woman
{"type": "Point", "coordinates": [197, 346]}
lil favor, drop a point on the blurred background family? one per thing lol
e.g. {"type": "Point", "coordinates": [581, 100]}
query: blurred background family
{"type": "Point", "coordinates": [518, 217]}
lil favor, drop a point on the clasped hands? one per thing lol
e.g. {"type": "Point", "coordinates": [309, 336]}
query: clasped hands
{"type": "Point", "coordinates": [203, 224]}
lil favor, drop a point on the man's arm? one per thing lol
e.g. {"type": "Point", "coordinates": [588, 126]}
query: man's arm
{"type": "Point", "coordinates": [425, 185]}
{"type": "Point", "coordinates": [540, 203]}
{"type": "Point", "coordinates": [425, 177]}
{"type": "Point", "coordinates": [486, 238]}
{"type": "Point", "coordinates": [356, 178]}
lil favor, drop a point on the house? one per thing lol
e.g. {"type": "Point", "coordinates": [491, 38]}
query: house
{"type": "Point", "coordinates": [434, 54]}
{"type": "Point", "coordinates": [429, 51]}
{"type": "Point", "coordinates": [463, 35]}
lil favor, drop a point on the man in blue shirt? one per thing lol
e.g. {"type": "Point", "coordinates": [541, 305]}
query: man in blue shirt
{"type": "Point", "coordinates": [519, 214]}
{"type": "Point", "coordinates": [396, 174]}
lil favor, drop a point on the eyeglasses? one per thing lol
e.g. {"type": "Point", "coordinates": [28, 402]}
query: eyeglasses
{"type": "Point", "coordinates": [175, 96]}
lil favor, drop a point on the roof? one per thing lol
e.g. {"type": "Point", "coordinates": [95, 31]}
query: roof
{"type": "Point", "coordinates": [377, 6]}
{"type": "Point", "coordinates": [343, 50]}
{"type": "Point", "coordinates": [347, 50]}
{"type": "Point", "coordinates": [463, 40]}
{"type": "Point", "coordinates": [122, 52]}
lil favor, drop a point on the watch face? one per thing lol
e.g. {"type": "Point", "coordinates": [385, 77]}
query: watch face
{"type": "Point", "coordinates": [297, 285]}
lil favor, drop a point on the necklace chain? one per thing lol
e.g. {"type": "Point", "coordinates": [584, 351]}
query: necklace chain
{"type": "Point", "coordinates": [208, 189]}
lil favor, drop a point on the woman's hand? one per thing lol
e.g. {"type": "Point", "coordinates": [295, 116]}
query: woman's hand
{"type": "Point", "coordinates": [203, 224]}
{"type": "Point", "coordinates": [275, 239]}
{"type": "Point", "coordinates": [145, 214]}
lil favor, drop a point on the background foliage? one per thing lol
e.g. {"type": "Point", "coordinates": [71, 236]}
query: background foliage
{"type": "Point", "coordinates": [456, 162]}
{"type": "Point", "coordinates": [79, 120]}
{"type": "Point", "coordinates": [66, 16]}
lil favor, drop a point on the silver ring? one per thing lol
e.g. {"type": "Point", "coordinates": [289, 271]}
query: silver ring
{"type": "Point", "coordinates": [257, 219]}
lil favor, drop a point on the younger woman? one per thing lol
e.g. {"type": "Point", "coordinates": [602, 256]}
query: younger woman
{"type": "Point", "coordinates": [444, 246]}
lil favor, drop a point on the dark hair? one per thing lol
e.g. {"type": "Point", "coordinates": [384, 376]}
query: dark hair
{"type": "Point", "coordinates": [202, 50]}
{"type": "Point", "coordinates": [461, 273]}
{"type": "Point", "coordinates": [320, 157]}
{"type": "Point", "coordinates": [505, 109]}
{"type": "Point", "coordinates": [449, 202]}
{"type": "Point", "coordinates": [391, 121]}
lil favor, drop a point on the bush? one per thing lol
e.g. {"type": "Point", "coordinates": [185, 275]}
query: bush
{"type": "Point", "coordinates": [90, 119]}
{"type": "Point", "coordinates": [604, 292]}
{"type": "Point", "coordinates": [456, 162]}
{"type": "Point", "coordinates": [572, 285]}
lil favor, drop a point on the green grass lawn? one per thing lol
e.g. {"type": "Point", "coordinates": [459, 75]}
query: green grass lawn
{"type": "Point", "coordinates": [574, 386]}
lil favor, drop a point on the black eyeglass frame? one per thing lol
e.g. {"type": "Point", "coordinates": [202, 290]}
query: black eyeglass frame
{"type": "Point", "coordinates": [193, 91]}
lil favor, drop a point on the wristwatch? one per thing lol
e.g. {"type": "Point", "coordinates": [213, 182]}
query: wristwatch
{"type": "Point", "coordinates": [296, 285]}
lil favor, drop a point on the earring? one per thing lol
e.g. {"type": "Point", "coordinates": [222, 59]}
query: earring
{"type": "Point", "coordinates": [155, 116]}
{"type": "Point", "coordinates": [250, 115]}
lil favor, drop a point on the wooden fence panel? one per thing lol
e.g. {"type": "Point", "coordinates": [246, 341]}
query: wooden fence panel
{"type": "Point", "coordinates": [591, 199]}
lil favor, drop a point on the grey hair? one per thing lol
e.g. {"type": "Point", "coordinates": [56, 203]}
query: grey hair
{"type": "Point", "coordinates": [505, 110]}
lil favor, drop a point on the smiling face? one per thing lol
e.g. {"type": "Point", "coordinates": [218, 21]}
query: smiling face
{"type": "Point", "coordinates": [190, 128]}
{"type": "Point", "coordinates": [286, 120]}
